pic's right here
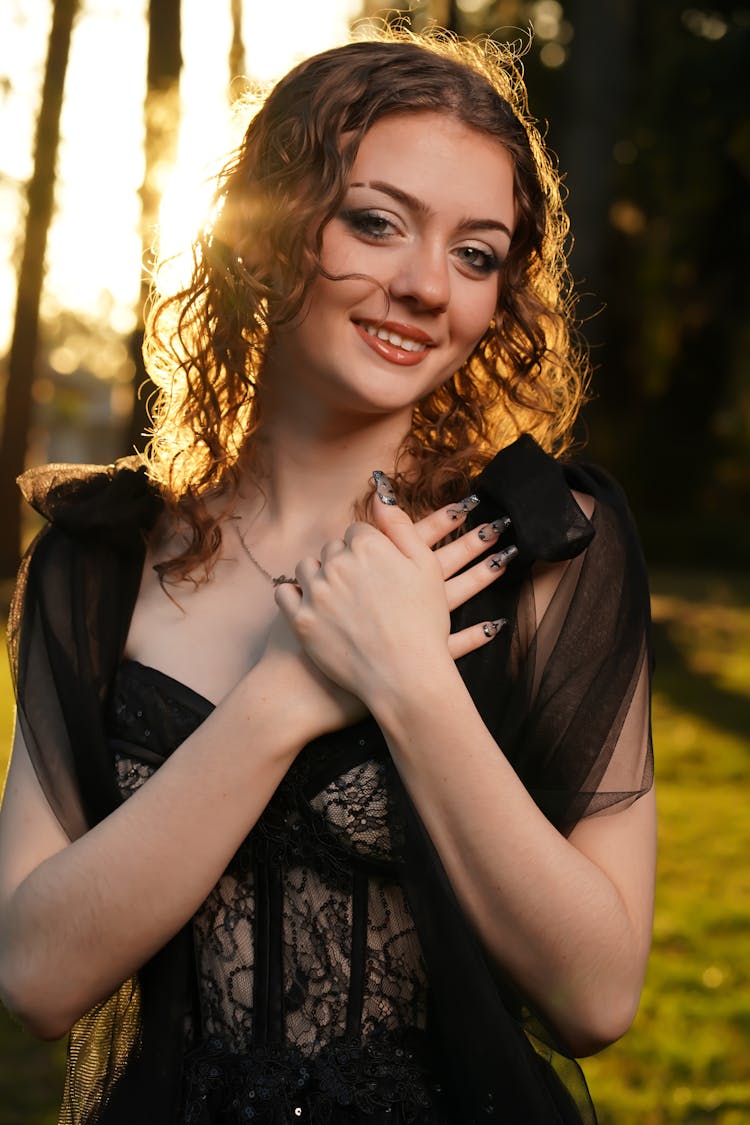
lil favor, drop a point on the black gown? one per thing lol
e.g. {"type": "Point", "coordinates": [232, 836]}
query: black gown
{"type": "Point", "coordinates": [331, 976]}
{"type": "Point", "coordinates": [311, 988]}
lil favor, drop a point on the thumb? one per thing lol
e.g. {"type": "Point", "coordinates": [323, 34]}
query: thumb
{"type": "Point", "coordinates": [392, 520]}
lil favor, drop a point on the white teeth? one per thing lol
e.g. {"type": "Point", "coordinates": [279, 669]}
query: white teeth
{"type": "Point", "coordinates": [393, 338]}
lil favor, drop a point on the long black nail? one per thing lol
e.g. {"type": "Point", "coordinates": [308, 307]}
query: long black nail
{"type": "Point", "coordinates": [492, 530]}
{"type": "Point", "coordinates": [463, 507]}
{"type": "Point", "coordinates": [384, 488]}
{"type": "Point", "coordinates": [502, 558]}
{"type": "Point", "coordinates": [492, 628]}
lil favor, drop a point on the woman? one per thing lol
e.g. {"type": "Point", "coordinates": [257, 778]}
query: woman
{"type": "Point", "coordinates": [354, 860]}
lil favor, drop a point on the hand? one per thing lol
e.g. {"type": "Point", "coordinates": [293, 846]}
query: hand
{"type": "Point", "coordinates": [373, 612]}
{"type": "Point", "coordinates": [323, 705]}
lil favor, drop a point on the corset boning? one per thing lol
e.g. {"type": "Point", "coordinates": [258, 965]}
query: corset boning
{"type": "Point", "coordinates": [308, 966]}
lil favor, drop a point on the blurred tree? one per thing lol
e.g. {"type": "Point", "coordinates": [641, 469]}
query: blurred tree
{"type": "Point", "coordinates": [648, 110]}
{"type": "Point", "coordinates": [597, 76]}
{"type": "Point", "coordinates": [24, 343]}
{"type": "Point", "coordinates": [162, 117]}
{"type": "Point", "coordinates": [237, 64]}
{"type": "Point", "coordinates": [675, 407]}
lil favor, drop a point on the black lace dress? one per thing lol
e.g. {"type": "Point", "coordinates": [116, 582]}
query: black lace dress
{"type": "Point", "coordinates": [312, 995]}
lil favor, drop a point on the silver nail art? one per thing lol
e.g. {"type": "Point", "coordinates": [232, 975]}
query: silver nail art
{"type": "Point", "coordinates": [463, 507]}
{"type": "Point", "coordinates": [492, 530]}
{"type": "Point", "coordinates": [384, 487]}
{"type": "Point", "coordinates": [502, 558]}
{"type": "Point", "coordinates": [492, 628]}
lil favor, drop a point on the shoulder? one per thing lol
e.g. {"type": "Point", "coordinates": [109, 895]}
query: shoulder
{"type": "Point", "coordinates": [109, 503]}
{"type": "Point", "coordinates": [605, 502]}
{"type": "Point", "coordinates": [561, 511]}
{"type": "Point", "coordinates": [87, 559]}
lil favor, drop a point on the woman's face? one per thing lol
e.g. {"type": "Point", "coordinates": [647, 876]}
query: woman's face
{"type": "Point", "coordinates": [427, 220]}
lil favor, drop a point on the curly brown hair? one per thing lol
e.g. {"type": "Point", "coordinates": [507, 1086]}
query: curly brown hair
{"type": "Point", "coordinates": [254, 262]}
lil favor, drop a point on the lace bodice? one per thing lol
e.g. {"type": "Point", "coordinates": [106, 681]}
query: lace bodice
{"type": "Point", "coordinates": [308, 964]}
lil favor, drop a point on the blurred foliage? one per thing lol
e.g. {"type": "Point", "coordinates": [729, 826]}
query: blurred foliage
{"type": "Point", "coordinates": [685, 1060]}
{"type": "Point", "coordinates": [647, 106]}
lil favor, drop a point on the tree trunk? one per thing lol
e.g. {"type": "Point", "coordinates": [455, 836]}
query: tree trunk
{"type": "Point", "coordinates": [24, 343]}
{"type": "Point", "coordinates": [596, 88]}
{"type": "Point", "coordinates": [162, 116]}
{"type": "Point", "coordinates": [445, 14]}
{"type": "Point", "coordinates": [237, 64]}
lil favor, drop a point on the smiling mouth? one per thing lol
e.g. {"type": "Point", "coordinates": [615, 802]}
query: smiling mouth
{"type": "Point", "coordinates": [407, 343]}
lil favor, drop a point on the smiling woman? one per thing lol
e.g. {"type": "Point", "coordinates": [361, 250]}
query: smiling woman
{"type": "Point", "coordinates": [375, 842]}
{"type": "Point", "coordinates": [413, 240]}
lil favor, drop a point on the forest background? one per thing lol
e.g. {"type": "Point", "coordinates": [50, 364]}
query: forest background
{"type": "Point", "coordinates": [110, 114]}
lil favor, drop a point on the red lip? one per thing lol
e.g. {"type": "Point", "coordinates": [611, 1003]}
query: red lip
{"type": "Point", "coordinates": [391, 352]}
{"type": "Point", "coordinates": [407, 330]}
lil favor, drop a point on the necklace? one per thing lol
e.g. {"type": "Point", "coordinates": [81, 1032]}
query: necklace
{"type": "Point", "coordinates": [279, 580]}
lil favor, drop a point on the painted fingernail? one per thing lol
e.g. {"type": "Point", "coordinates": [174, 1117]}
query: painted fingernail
{"type": "Point", "coordinates": [492, 628]}
{"type": "Point", "coordinates": [492, 530]}
{"type": "Point", "coordinates": [463, 507]}
{"type": "Point", "coordinates": [502, 558]}
{"type": "Point", "coordinates": [384, 487]}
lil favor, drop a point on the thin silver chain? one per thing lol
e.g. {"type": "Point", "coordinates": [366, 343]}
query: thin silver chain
{"type": "Point", "coordinates": [279, 579]}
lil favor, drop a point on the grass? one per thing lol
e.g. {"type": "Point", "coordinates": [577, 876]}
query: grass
{"type": "Point", "coordinates": [686, 1058]}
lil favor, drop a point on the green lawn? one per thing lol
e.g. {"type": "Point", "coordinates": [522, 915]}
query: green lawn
{"type": "Point", "coordinates": [687, 1058]}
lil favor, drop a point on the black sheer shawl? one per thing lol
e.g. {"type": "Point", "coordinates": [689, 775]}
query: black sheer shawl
{"type": "Point", "coordinates": [566, 697]}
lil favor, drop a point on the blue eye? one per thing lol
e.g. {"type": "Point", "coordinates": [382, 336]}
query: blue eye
{"type": "Point", "coordinates": [371, 224]}
{"type": "Point", "coordinates": [479, 261]}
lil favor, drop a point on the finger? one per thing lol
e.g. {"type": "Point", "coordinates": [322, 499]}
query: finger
{"type": "Point", "coordinates": [474, 637]}
{"type": "Point", "coordinates": [331, 549]}
{"type": "Point", "coordinates": [460, 552]}
{"type": "Point", "coordinates": [357, 530]}
{"type": "Point", "coordinates": [306, 570]}
{"type": "Point", "coordinates": [288, 598]}
{"type": "Point", "coordinates": [392, 520]}
{"type": "Point", "coordinates": [464, 586]}
{"type": "Point", "coordinates": [437, 525]}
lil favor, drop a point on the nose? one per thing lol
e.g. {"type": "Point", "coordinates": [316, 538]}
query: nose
{"type": "Point", "coordinates": [422, 276]}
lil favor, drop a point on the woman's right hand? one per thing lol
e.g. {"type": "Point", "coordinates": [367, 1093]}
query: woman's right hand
{"type": "Point", "coordinates": [322, 705]}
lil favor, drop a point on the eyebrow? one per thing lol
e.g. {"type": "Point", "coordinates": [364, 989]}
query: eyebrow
{"type": "Point", "coordinates": [421, 208]}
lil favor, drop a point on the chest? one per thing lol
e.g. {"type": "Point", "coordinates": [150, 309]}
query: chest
{"type": "Point", "coordinates": [205, 634]}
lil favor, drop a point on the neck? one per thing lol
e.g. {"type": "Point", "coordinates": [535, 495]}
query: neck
{"type": "Point", "coordinates": [312, 468]}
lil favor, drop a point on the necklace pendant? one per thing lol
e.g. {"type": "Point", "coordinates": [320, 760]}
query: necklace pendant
{"type": "Point", "coordinates": [282, 579]}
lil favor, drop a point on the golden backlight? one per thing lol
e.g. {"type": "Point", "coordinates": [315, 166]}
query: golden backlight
{"type": "Point", "coordinates": [94, 245]}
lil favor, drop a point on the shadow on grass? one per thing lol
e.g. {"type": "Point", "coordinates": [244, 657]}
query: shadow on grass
{"type": "Point", "coordinates": [695, 692]}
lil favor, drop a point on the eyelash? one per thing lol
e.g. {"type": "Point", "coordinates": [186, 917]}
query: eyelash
{"type": "Point", "coordinates": [364, 223]}
{"type": "Point", "coordinates": [489, 264]}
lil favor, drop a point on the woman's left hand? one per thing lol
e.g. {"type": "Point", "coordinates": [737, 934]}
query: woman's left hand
{"type": "Point", "coordinates": [373, 612]}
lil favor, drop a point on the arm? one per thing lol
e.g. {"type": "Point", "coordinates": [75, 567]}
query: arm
{"type": "Point", "coordinates": [76, 919]}
{"type": "Point", "coordinates": [568, 919]}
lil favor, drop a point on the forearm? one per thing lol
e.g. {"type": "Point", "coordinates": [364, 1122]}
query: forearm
{"type": "Point", "coordinates": [552, 918]}
{"type": "Point", "coordinates": [91, 914]}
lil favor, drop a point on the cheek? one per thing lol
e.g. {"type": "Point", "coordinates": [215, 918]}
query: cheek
{"type": "Point", "coordinates": [476, 313]}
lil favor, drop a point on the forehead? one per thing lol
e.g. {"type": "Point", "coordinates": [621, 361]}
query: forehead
{"type": "Point", "coordinates": [441, 161]}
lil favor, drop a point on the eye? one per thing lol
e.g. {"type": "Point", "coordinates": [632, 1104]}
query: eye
{"type": "Point", "coordinates": [371, 224]}
{"type": "Point", "coordinates": [477, 260]}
